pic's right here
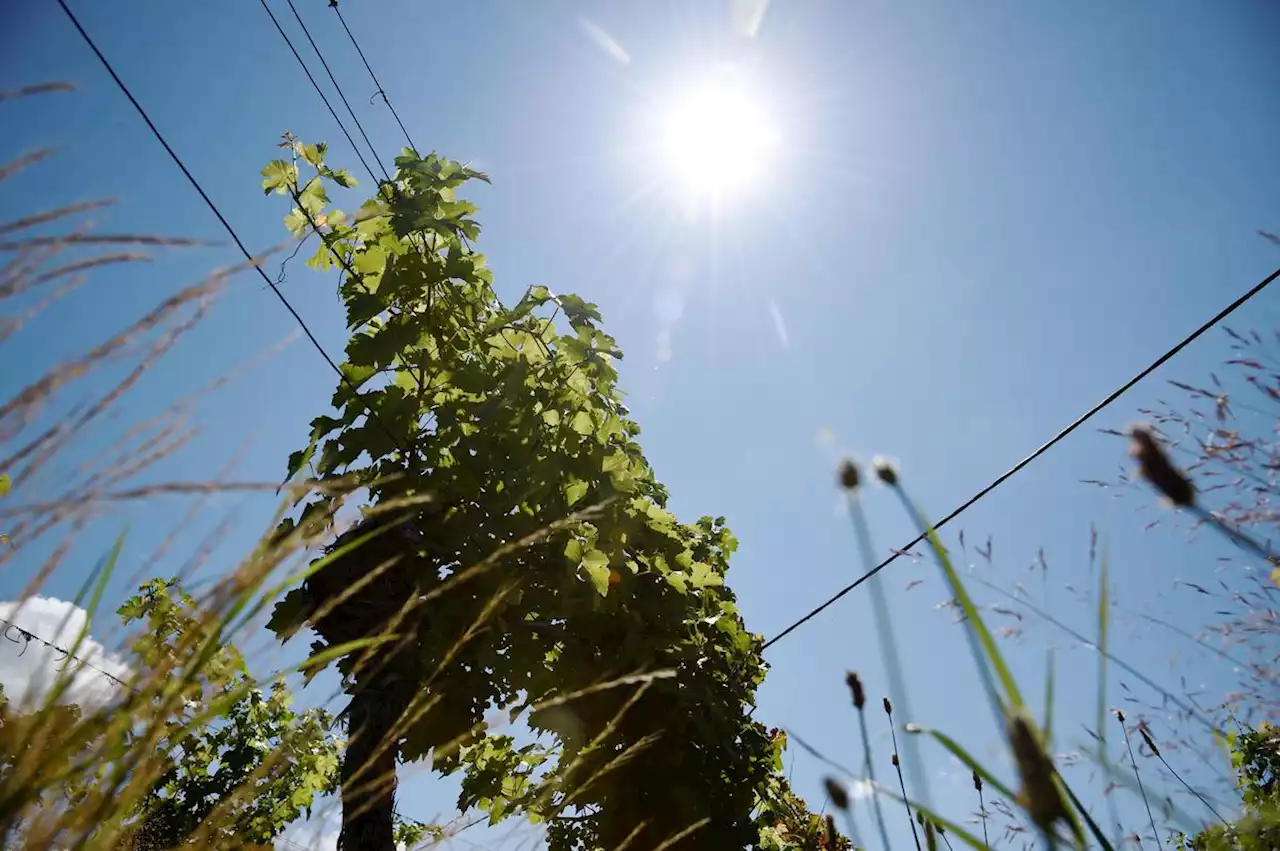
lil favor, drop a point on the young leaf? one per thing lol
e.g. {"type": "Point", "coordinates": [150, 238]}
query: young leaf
{"type": "Point", "coordinates": [313, 197]}
{"type": "Point", "coordinates": [296, 222]}
{"type": "Point", "coordinates": [279, 176]}
{"type": "Point", "coordinates": [340, 176]}
{"type": "Point", "coordinates": [314, 154]}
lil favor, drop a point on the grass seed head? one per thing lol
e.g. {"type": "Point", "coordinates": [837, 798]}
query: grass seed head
{"type": "Point", "coordinates": [837, 793]}
{"type": "Point", "coordinates": [888, 707]}
{"type": "Point", "coordinates": [977, 780]}
{"type": "Point", "coordinates": [1154, 466]}
{"type": "Point", "coordinates": [854, 682]}
{"type": "Point", "coordinates": [1039, 795]}
{"type": "Point", "coordinates": [1146, 737]}
{"type": "Point", "coordinates": [850, 477]}
{"type": "Point", "coordinates": [885, 471]}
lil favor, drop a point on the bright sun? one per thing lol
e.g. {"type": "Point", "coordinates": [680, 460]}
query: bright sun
{"type": "Point", "coordinates": [718, 136]}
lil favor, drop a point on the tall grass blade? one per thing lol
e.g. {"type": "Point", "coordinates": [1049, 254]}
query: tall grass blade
{"type": "Point", "coordinates": [1100, 723]}
{"type": "Point", "coordinates": [1190, 711]}
{"type": "Point", "coordinates": [1084, 813]}
{"type": "Point", "coordinates": [1048, 697]}
{"type": "Point", "coordinates": [100, 577]}
{"type": "Point", "coordinates": [888, 640]}
{"type": "Point", "coordinates": [957, 750]}
{"type": "Point", "coordinates": [987, 655]}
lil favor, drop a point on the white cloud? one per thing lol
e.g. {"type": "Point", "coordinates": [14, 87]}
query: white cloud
{"type": "Point", "coordinates": [28, 667]}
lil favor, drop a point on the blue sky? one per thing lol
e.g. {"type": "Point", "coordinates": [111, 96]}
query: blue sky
{"type": "Point", "coordinates": [981, 219]}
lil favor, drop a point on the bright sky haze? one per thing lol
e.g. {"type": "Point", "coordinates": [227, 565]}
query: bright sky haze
{"type": "Point", "coordinates": [937, 231]}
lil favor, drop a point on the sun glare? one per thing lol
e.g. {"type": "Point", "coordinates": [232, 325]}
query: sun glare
{"type": "Point", "coordinates": [718, 136]}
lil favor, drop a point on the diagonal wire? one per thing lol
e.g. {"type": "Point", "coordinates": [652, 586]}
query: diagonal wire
{"type": "Point", "coordinates": [447, 292]}
{"type": "Point", "coordinates": [195, 184]}
{"type": "Point", "coordinates": [1016, 468]}
{"type": "Point", "coordinates": [338, 88]}
{"type": "Point", "coordinates": [359, 127]}
{"type": "Point", "coordinates": [316, 86]}
{"type": "Point", "coordinates": [333, 4]}
{"type": "Point", "coordinates": [341, 126]}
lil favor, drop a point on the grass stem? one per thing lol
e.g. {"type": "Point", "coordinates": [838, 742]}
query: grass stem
{"type": "Point", "coordinates": [1146, 737]}
{"type": "Point", "coordinates": [888, 640]}
{"type": "Point", "coordinates": [982, 810]}
{"type": "Point", "coordinates": [1138, 774]}
{"type": "Point", "coordinates": [897, 765]}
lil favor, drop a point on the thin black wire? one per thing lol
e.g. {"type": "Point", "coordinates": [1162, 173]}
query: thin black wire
{"type": "Point", "coordinates": [338, 88]}
{"type": "Point", "coordinates": [1016, 468]}
{"type": "Point", "coordinates": [447, 292]}
{"type": "Point", "coordinates": [345, 132]}
{"type": "Point", "coordinates": [333, 4]}
{"type": "Point", "coordinates": [195, 184]}
{"type": "Point", "coordinates": [30, 636]}
{"type": "Point", "coordinates": [373, 177]}
{"type": "Point", "coordinates": [341, 126]}
{"type": "Point", "coordinates": [381, 91]}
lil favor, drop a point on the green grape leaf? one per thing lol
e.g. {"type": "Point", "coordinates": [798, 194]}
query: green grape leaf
{"type": "Point", "coordinates": [314, 154]}
{"type": "Point", "coordinates": [280, 177]}
{"type": "Point", "coordinates": [290, 613]}
{"type": "Point", "coordinates": [703, 576]}
{"type": "Point", "coordinates": [296, 222]}
{"type": "Point", "coordinates": [574, 490]}
{"type": "Point", "coordinates": [596, 564]}
{"type": "Point", "coordinates": [582, 423]}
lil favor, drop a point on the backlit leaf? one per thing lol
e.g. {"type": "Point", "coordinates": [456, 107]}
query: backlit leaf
{"type": "Point", "coordinates": [574, 490]}
{"type": "Point", "coordinates": [279, 176]}
{"type": "Point", "coordinates": [596, 564]}
{"type": "Point", "coordinates": [703, 576]}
